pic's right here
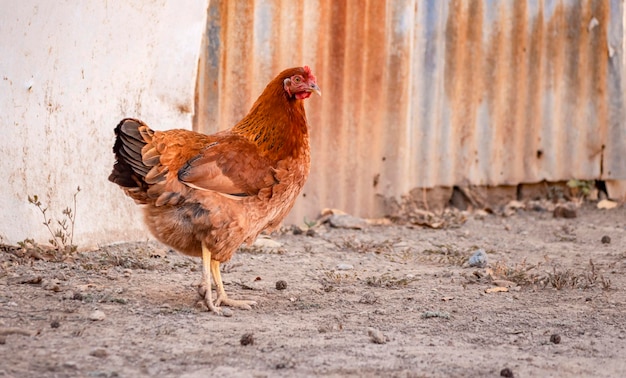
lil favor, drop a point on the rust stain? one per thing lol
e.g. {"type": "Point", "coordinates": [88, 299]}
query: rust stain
{"type": "Point", "coordinates": [427, 94]}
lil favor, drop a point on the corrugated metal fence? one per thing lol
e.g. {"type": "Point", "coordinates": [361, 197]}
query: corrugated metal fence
{"type": "Point", "coordinates": [420, 94]}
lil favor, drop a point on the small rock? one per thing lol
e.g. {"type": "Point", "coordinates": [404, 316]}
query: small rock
{"type": "Point", "coordinates": [506, 372]}
{"type": "Point", "coordinates": [77, 297]}
{"type": "Point", "coordinates": [266, 243]}
{"type": "Point", "coordinates": [564, 211]}
{"type": "Point", "coordinates": [26, 279]}
{"type": "Point", "coordinates": [100, 353]}
{"type": "Point", "coordinates": [287, 364]}
{"type": "Point", "coordinates": [512, 208]}
{"type": "Point", "coordinates": [368, 298]}
{"type": "Point", "coordinates": [607, 204]}
{"type": "Point", "coordinates": [70, 365]}
{"type": "Point", "coordinates": [68, 295]}
{"type": "Point", "coordinates": [281, 285]}
{"type": "Point", "coordinates": [516, 205]}
{"type": "Point", "coordinates": [376, 336]}
{"type": "Point", "coordinates": [497, 289]}
{"type": "Point", "coordinates": [346, 221]}
{"type": "Point", "coordinates": [97, 315]}
{"type": "Point", "coordinates": [227, 312]}
{"type": "Point", "coordinates": [504, 283]}
{"type": "Point", "coordinates": [480, 214]}
{"type": "Point", "coordinates": [344, 267]}
{"type": "Point", "coordinates": [51, 285]}
{"type": "Point", "coordinates": [311, 232]}
{"type": "Point", "coordinates": [55, 324]}
{"type": "Point", "coordinates": [606, 239]}
{"type": "Point", "coordinates": [247, 339]}
{"type": "Point", "coordinates": [297, 230]}
{"type": "Point", "coordinates": [324, 329]}
{"type": "Point", "coordinates": [537, 206]}
{"type": "Point", "coordinates": [478, 259]}
{"type": "Point", "coordinates": [555, 339]}
{"type": "Point", "coordinates": [435, 314]}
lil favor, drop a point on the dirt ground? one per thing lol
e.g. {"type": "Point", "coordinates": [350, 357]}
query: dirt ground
{"type": "Point", "coordinates": [386, 300]}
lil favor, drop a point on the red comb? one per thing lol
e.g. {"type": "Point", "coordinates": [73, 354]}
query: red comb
{"type": "Point", "coordinates": [308, 72]}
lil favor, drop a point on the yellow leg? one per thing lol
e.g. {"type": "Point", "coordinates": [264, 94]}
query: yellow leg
{"type": "Point", "coordinates": [222, 298]}
{"type": "Point", "coordinates": [205, 285]}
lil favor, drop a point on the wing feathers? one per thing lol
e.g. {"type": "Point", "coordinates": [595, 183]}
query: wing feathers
{"type": "Point", "coordinates": [157, 163]}
{"type": "Point", "coordinates": [157, 174]}
{"type": "Point", "coordinates": [151, 156]}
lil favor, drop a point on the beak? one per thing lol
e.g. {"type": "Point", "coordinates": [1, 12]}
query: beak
{"type": "Point", "coordinates": [315, 89]}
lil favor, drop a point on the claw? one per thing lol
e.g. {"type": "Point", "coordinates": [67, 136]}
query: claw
{"type": "Point", "coordinates": [244, 305]}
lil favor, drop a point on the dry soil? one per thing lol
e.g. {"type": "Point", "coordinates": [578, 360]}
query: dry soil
{"type": "Point", "coordinates": [386, 300]}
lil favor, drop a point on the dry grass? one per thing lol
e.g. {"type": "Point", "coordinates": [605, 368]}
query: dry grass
{"type": "Point", "coordinates": [559, 278]}
{"type": "Point", "coordinates": [389, 281]}
{"type": "Point", "coordinates": [403, 256]}
{"type": "Point", "coordinates": [446, 254]}
{"type": "Point", "coordinates": [521, 273]}
{"type": "Point", "coordinates": [588, 278]}
{"type": "Point", "coordinates": [334, 277]}
{"type": "Point", "coordinates": [351, 244]}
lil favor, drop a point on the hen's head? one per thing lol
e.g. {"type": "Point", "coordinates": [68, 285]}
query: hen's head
{"type": "Point", "coordinates": [299, 82]}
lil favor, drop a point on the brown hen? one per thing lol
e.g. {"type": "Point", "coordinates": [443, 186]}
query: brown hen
{"type": "Point", "coordinates": [205, 195]}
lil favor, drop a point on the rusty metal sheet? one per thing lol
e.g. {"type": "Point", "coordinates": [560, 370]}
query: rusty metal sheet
{"type": "Point", "coordinates": [422, 94]}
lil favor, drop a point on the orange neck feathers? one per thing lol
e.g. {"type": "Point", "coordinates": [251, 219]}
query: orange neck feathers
{"type": "Point", "coordinates": [276, 123]}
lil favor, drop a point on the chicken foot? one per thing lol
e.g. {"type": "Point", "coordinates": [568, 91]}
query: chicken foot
{"type": "Point", "coordinates": [222, 298]}
{"type": "Point", "coordinates": [212, 268]}
{"type": "Point", "coordinates": [205, 285]}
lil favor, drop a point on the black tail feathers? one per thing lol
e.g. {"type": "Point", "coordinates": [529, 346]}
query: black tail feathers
{"type": "Point", "coordinates": [129, 170]}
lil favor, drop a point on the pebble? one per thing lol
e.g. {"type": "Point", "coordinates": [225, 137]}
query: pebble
{"type": "Point", "coordinates": [478, 259]}
{"type": "Point", "coordinates": [346, 221]}
{"type": "Point", "coordinates": [376, 336]}
{"type": "Point", "coordinates": [266, 243]}
{"type": "Point", "coordinates": [281, 285]}
{"type": "Point", "coordinates": [100, 353]}
{"type": "Point", "coordinates": [26, 279]}
{"type": "Point", "coordinates": [227, 312]}
{"type": "Point", "coordinates": [70, 365]}
{"type": "Point", "coordinates": [344, 267]}
{"type": "Point", "coordinates": [51, 285]}
{"type": "Point", "coordinates": [504, 283]}
{"type": "Point", "coordinates": [435, 314]}
{"type": "Point", "coordinates": [480, 214]}
{"type": "Point", "coordinates": [607, 204]}
{"type": "Point", "coordinates": [247, 339]}
{"type": "Point", "coordinates": [555, 339]}
{"type": "Point", "coordinates": [368, 298]}
{"type": "Point", "coordinates": [565, 211]}
{"type": "Point", "coordinates": [97, 315]}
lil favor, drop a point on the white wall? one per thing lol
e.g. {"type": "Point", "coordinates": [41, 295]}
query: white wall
{"type": "Point", "coordinates": [69, 71]}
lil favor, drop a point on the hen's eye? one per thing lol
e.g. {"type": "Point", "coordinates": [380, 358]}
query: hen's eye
{"type": "Point", "coordinates": [297, 79]}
